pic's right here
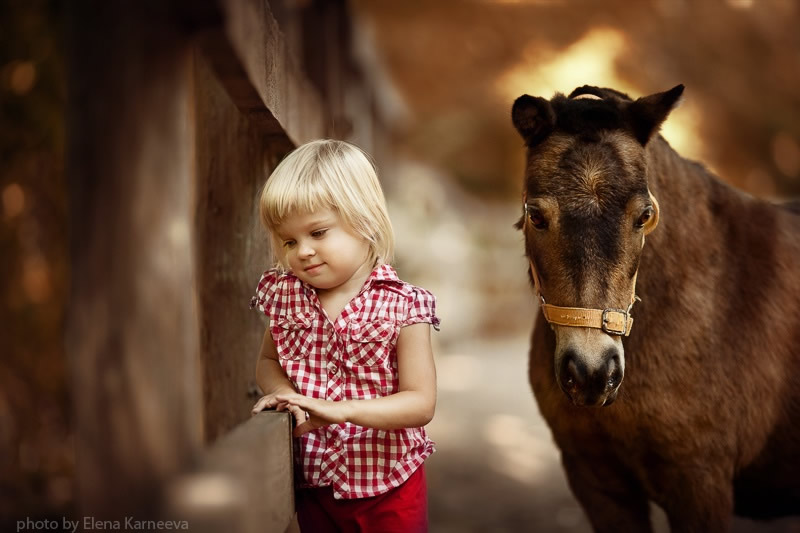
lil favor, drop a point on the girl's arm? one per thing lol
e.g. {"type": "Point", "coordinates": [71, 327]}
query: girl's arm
{"type": "Point", "coordinates": [270, 376]}
{"type": "Point", "coordinates": [411, 406]}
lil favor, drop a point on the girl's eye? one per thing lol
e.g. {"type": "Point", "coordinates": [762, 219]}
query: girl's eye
{"type": "Point", "coordinates": [318, 233]}
{"type": "Point", "coordinates": [288, 244]}
{"type": "Point", "coordinates": [645, 217]}
{"type": "Point", "coordinates": [537, 218]}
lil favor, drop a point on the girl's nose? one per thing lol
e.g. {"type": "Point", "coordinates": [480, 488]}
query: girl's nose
{"type": "Point", "coordinates": [306, 250]}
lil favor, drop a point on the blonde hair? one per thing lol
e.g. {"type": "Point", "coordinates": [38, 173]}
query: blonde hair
{"type": "Point", "coordinates": [328, 174]}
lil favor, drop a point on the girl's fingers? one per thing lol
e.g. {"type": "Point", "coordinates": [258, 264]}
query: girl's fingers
{"type": "Point", "coordinates": [261, 404]}
{"type": "Point", "coordinates": [299, 414]}
{"type": "Point", "coordinates": [301, 402]}
{"type": "Point", "coordinates": [303, 428]}
{"type": "Point", "coordinates": [282, 398]}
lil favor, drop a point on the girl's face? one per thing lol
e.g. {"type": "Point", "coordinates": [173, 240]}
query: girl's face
{"type": "Point", "coordinates": [322, 250]}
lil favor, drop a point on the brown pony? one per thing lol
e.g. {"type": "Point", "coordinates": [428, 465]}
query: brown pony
{"type": "Point", "coordinates": [696, 407]}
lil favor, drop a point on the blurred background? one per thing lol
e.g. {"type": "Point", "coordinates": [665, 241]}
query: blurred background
{"type": "Point", "coordinates": [441, 77]}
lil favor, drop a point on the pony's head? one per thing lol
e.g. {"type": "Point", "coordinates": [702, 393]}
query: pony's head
{"type": "Point", "coordinates": [586, 210]}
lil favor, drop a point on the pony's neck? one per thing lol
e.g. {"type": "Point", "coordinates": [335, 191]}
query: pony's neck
{"type": "Point", "coordinates": [683, 244]}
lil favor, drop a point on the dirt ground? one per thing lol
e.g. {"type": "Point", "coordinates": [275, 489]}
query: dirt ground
{"type": "Point", "coordinates": [496, 468]}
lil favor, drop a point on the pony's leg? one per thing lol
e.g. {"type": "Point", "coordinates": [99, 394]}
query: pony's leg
{"type": "Point", "coordinates": [612, 501]}
{"type": "Point", "coordinates": [701, 503]}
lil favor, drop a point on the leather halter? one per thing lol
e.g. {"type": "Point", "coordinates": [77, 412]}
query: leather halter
{"type": "Point", "coordinates": [616, 322]}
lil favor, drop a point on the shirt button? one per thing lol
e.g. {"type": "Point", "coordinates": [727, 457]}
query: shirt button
{"type": "Point", "coordinates": [334, 370]}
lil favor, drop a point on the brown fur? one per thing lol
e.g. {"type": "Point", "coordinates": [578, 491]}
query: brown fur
{"type": "Point", "coordinates": [705, 423]}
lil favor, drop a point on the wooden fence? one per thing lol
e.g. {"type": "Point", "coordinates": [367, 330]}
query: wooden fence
{"type": "Point", "coordinates": [177, 113]}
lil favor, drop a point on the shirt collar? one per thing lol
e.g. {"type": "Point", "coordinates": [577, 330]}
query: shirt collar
{"type": "Point", "coordinates": [383, 273]}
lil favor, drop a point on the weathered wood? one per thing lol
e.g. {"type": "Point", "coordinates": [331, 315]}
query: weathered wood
{"type": "Point", "coordinates": [274, 72]}
{"type": "Point", "coordinates": [230, 73]}
{"type": "Point", "coordinates": [329, 68]}
{"type": "Point", "coordinates": [242, 484]}
{"type": "Point", "coordinates": [132, 334]}
{"type": "Point", "coordinates": [234, 155]}
{"type": "Point", "coordinates": [176, 119]}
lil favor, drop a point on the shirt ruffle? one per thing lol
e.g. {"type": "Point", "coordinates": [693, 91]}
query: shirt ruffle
{"type": "Point", "coordinates": [422, 308]}
{"type": "Point", "coordinates": [269, 289]}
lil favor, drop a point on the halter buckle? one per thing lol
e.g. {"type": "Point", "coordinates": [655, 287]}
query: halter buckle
{"type": "Point", "coordinates": [608, 322]}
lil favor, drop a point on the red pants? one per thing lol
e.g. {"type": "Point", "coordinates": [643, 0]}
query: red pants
{"type": "Point", "coordinates": [403, 509]}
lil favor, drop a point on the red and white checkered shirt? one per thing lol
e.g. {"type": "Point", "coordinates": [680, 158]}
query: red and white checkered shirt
{"type": "Point", "coordinates": [352, 358]}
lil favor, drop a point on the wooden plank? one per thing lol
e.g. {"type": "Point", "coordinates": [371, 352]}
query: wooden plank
{"type": "Point", "coordinates": [132, 334]}
{"type": "Point", "coordinates": [242, 484]}
{"type": "Point", "coordinates": [273, 71]}
{"type": "Point", "coordinates": [233, 159]}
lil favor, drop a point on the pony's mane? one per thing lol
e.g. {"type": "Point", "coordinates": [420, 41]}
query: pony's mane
{"type": "Point", "coordinates": [589, 117]}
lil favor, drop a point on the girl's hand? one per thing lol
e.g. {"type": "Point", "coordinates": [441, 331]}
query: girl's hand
{"type": "Point", "coordinates": [265, 403]}
{"type": "Point", "coordinates": [271, 401]}
{"type": "Point", "coordinates": [320, 412]}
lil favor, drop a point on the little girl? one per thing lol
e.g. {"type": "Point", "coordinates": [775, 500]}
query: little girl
{"type": "Point", "coordinates": [348, 349]}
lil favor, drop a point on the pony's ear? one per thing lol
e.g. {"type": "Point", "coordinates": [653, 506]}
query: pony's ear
{"type": "Point", "coordinates": [647, 113]}
{"type": "Point", "coordinates": [534, 118]}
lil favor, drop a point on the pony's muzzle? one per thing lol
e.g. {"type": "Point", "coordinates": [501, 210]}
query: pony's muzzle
{"type": "Point", "coordinates": [590, 384]}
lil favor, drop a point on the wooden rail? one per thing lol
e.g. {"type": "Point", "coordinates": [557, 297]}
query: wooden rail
{"type": "Point", "coordinates": [243, 483]}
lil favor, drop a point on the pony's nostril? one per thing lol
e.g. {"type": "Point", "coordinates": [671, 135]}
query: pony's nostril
{"type": "Point", "coordinates": [573, 372]}
{"type": "Point", "coordinates": [614, 372]}
{"type": "Point", "coordinates": [589, 379]}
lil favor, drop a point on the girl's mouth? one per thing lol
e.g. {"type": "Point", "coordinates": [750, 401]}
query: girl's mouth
{"type": "Point", "coordinates": [313, 268]}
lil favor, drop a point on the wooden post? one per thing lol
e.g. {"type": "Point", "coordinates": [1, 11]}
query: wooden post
{"type": "Point", "coordinates": [177, 113]}
{"type": "Point", "coordinates": [132, 334]}
{"type": "Point", "coordinates": [234, 156]}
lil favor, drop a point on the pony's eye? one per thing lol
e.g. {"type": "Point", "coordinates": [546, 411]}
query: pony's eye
{"type": "Point", "coordinates": [537, 218]}
{"type": "Point", "coordinates": [645, 217]}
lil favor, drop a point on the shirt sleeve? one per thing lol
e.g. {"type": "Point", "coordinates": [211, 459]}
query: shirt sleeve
{"type": "Point", "coordinates": [422, 308]}
{"type": "Point", "coordinates": [266, 292]}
